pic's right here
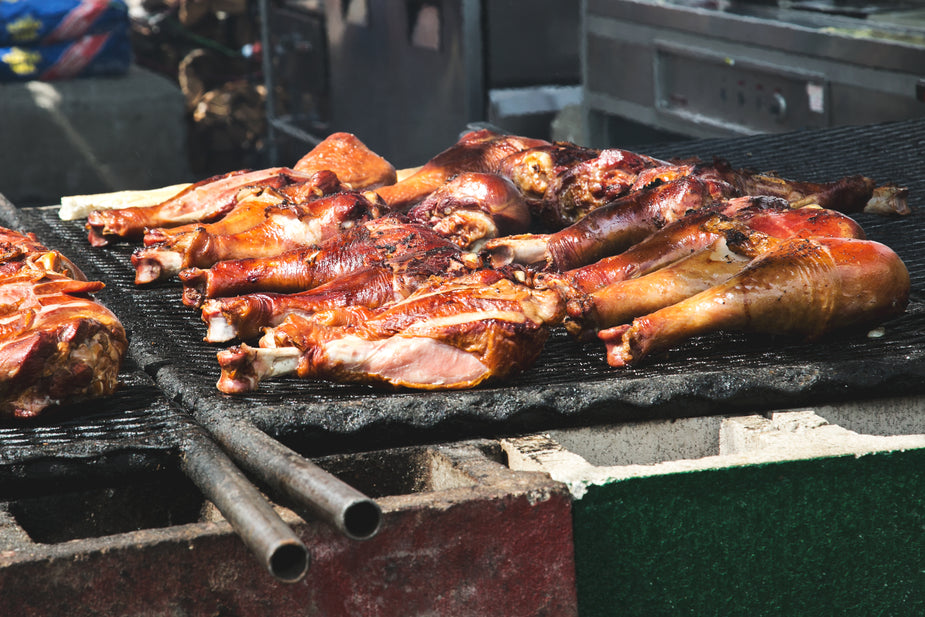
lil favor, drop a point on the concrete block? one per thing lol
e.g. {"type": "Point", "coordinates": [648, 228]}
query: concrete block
{"type": "Point", "coordinates": [461, 534]}
{"type": "Point", "coordinates": [90, 135]}
{"type": "Point", "coordinates": [787, 514]}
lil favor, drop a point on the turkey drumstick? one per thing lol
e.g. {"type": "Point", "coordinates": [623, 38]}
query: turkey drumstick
{"type": "Point", "coordinates": [285, 226]}
{"type": "Point", "coordinates": [371, 286]}
{"type": "Point", "coordinates": [738, 239]}
{"type": "Point", "coordinates": [463, 213]}
{"type": "Point", "coordinates": [805, 287]}
{"type": "Point", "coordinates": [450, 335]}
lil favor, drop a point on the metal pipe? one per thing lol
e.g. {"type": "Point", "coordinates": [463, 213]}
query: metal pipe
{"type": "Point", "coordinates": [255, 521]}
{"type": "Point", "coordinates": [308, 486]}
{"type": "Point", "coordinates": [269, 82]}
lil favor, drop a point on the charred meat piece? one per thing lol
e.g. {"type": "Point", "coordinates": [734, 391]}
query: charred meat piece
{"type": "Point", "coordinates": [450, 335]}
{"type": "Point", "coordinates": [204, 201]}
{"type": "Point", "coordinates": [611, 228]}
{"type": "Point", "coordinates": [57, 345]}
{"type": "Point", "coordinates": [563, 182]}
{"type": "Point", "coordinates": [472, 208]}
{"type": "Point", "coordinates": [371, 286]}
{"type": "Point", "coordinates": [376, 241]}
{"type": "Point", "coordinates": [354, 165]}
{"type": "Point", "coordinates": [736, 240]}
{"type": "Point", "coordinates": [250, 207]}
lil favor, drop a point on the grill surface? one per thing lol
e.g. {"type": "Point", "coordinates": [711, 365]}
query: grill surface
{"type": "Point", "coordinates": [571, 383]}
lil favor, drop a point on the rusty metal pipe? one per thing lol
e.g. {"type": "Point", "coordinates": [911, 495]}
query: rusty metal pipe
{"type": "Point", "coordinates": [308, 486]}
{"type": "Point", "coordinates": [252, 517]}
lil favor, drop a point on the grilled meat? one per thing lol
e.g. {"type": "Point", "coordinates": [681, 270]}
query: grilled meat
{"type": "Point", "coordinates": [448, 335]}
{"type": "Point", "coordinates": [250, 208]}
{"type": "Point", "coordinates": [388, 238]}
{"type": "Point", "coordinates": [355, 165]}
{"type": "Point", "coordinates": [57, 345]}
{"type": "Point", "coordinates": [204, 201]}
{"type": "Point", "coordinates": [208, 200]}
{"type": "Point", "coordinates": [371, 286]}
{"type": "Point", "coordinates": [477, 151]}
{"type": "Point", "coordinates": [563, 182]}
{"type": "Point", "coordinates": [611, 228]}
{"type": "Point", "coordinates": [737, 239]}
{"type": "Point", "coordinates": [284, 227]}
{"type": "Point", "coordinates": [803, 287]}
{"type": "Point", "coordinates": [472, 208]}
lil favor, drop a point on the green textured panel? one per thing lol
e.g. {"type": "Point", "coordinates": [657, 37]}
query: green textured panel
{"type": "Point", "coordinates": [833, 536]}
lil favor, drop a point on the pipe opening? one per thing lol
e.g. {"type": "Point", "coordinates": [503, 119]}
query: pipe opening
{"type": "Point", "coordinates": [289, 562]}
{"type": "Point", "coordinates": [361, 519]}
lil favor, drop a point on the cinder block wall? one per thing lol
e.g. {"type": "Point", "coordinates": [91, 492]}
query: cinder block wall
{"type": "Point", "coordinates": [90, 135]}
{"type": "Point", "coordinates": [788, 515]}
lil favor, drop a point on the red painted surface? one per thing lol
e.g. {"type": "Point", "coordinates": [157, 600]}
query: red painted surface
{"type": "Point", "coordinates": [501, 547]}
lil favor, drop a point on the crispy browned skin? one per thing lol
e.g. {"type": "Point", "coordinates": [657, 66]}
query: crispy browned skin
{"type": "Point", "coordinates": [848, 194]}
{"type": "Point", "coordinates": [563, 182]}
{"type": "Point", "coordinates": [386, 238]}
{"type": "Point", "coordinates": [23, 250]}
{"type": "Point", "coordinates": [57, 345]}
{"type": "Point", "coordinates": [472, 208]}
{"type": "Point", "coordinates": [204, 201]}
{"type": "Point", "coordinates": [370, 286]}
{"type": "Point", "coordinates": [356, 166]}
{"type": "Point", "coordinates": [452, 335]}
{"type": "Point", "coordinates": [284, 227]}
{"type": "Point", "coordinates": [250, 207]}
{"type": "Point", "coordinates": [610, 228]}
{"type": "Point", "coordinates": [770, 215]}
{"type": "Point", "coordinates": [805, 287]}
{"type": "Point", "coordinates": [733, 241]}
{"type": "Point", "coordinates": [477, 151]}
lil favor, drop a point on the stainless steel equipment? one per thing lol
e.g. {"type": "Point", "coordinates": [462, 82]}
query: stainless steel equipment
{"type": "Point", "coordinates": [708, 68]}
{"type": "Point", "coordinates": [408, 76]}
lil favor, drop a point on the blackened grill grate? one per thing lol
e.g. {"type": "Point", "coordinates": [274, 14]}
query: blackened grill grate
{"type": "Point", "coordinates": [571, 383]}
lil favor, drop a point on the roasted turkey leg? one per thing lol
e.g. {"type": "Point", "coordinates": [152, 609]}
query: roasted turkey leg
{"type": "Point", "coordinates": [805, 287]}
{"type": "Point", "coordinates": [250, 208]}
{"type": "Point", "coordinates": [451, 335]}
{"type": "Point", "coordinates": [611, 228]}
{"type": "Point", "coordinates": [207, 200]}
{"type": "Point", "coordinates": [476, 151]}
{"type": "Point", "coordinates": [285, 227]}
{"type": "Point", "coordinates": [370, 286]}
{"type": "Point", "coordinates": [387, 238]}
